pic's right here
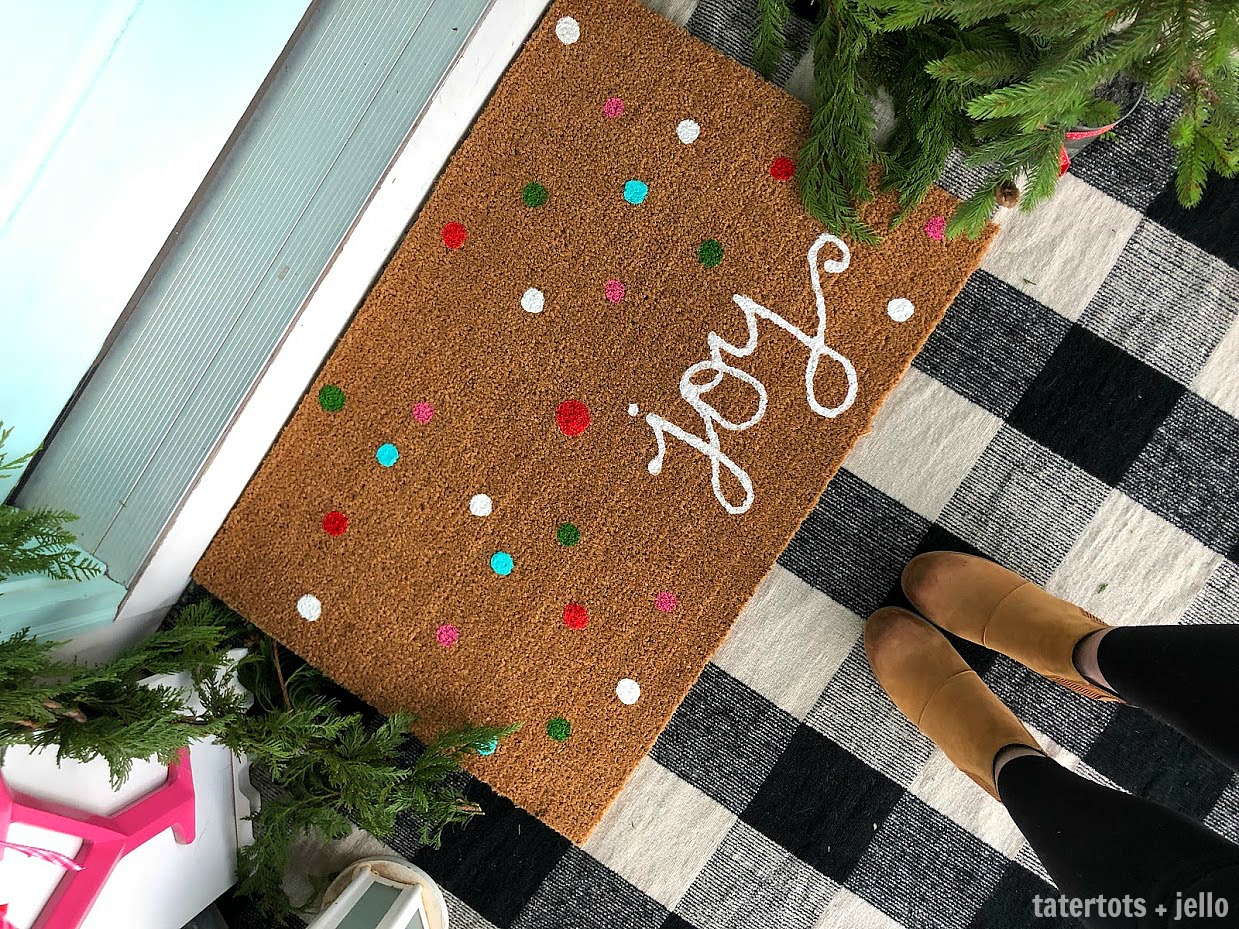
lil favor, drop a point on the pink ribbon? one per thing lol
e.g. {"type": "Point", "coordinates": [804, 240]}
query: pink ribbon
{"type": "Point", "coordinates": [43, 854]}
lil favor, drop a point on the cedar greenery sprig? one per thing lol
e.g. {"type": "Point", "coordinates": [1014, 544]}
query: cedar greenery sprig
{"type": "Point", "coordinates": [36, 541]}
{"type": "Point", "coordinates": [331, 767]}
{"type": "Point", "coordinates": [1002, 81]}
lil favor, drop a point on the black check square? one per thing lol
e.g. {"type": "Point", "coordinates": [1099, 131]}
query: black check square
{"type": "Point", "coordinates": [1210, 225]}
{"type": "Point", "coordinates": [992, 343]}
{"type": "Point", "coordinates": [1095, 405]}
{"type": "Point", "coordinates": [580, 893]}
{"type": "Point", "coordinates": [820, 803]}
{"type": "Point", "coordinates": [724, 738]}
{"type": "Point", "coordinates": [496, 862]}
{"type": "Point", "coordinates": [854, 543]}
{"type": "Point", "coordinates": [905, 873]}
{"type": "Point", "coordinates": [1151, 760]}
{"type": "Point", "coordinates": [1189, 473]}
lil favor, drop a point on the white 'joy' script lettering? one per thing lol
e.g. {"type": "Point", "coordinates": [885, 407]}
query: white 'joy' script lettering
{"type": "Point", "coordinates": [716, 369]}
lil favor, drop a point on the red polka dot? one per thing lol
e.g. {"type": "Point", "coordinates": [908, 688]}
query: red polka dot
{"type": "Point", "coordinates": [613, 107]}
{"type": "Point", "coordinates": [575, 616]}
{"type": "Point", "coordinates": [665, 601]}
{"type": "Point", "coordinates": [572, 417]}
{"type": "Point", "coordinates": [447, 635]}
{"type": "Point", "coordinates": [334, 523]}
{"type": "Point", "coordinates": [454, 235]}
{"type": "Point", "coordinates": [782, 169]}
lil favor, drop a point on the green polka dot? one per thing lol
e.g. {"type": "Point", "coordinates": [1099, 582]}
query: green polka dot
{"type": "Point", "coordinates": [559, 729]}
{"type": "Point", "coordinates": [331, 398]}
{"type": "Point", "coordinates": [710, 253]}
{"type": "Point", "coordinates": [568, 534]}
{"type": "Point", "coordinates": [534, 194]}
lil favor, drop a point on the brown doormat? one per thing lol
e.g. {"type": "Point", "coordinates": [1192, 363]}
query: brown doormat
{"type": "Point", "coordinates": [598, 386]}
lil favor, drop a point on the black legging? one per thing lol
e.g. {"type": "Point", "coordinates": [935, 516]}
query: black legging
{"type": "Point", "coordinates": [1095, 841]}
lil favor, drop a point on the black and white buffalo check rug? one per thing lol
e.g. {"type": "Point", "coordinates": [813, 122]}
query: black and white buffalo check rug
{"type": "Point", "coordinates": [1075, 418]}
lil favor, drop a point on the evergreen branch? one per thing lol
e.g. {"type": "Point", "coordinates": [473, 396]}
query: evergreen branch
{"type": "Point", "coordinates": [768, 39]}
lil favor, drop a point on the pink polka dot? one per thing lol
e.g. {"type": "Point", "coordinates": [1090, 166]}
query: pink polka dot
{"type": "Point", "coordinates": [447, 635]}
{"type": "Point", "coordinates": [665, 601]}
{"type": "Point", "coordinates": [423, 412]}
{"type": "Point", "coordinates": [936, 228]}
{"type": "Point", "coordinates": [613, 107]}
{"type": "Point", "coordinates": [614, 291]}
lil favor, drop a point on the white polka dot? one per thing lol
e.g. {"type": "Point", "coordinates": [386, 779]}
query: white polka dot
{"type": "Point", "coordinates": [628, 691]}
{"type": "Point", "coordinates": [480, 505]}
{"type": "Point", "coordinates": [532, 300]}
{"type": "Point", "coordinates": [687, 131]}
{"type": "Point", "coordinates": [568, 30]}
{"type": "Point", "coordinates": [900, 309]}
{"type": "Point", "coordinates": [310, 607]}
{"type": "Point", "coordinates": [633, 409]}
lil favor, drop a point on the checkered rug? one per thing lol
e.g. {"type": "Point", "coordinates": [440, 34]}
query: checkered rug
{"type": "Point", "coordinates": [1075, 418]}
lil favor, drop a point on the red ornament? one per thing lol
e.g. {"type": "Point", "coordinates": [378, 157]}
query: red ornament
{"type": "Point", "coordinates": [572, 417]}
{"type": "Point", "coordinates": [782, 169]}
{"type": "Point", "coordinates": [454, 235]}
{"type": "Point", "coordinates": [575, 616]}
{"type": "Point", "coordinates": [334, 523]}
{"type": "Point", "coordinates": [1064, 161]}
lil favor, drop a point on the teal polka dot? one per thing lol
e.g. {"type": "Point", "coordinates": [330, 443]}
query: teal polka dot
{"type": "Point", "coordinates": [501, 563]}
{"type": "Point", "coordinates": [488, 747]}
{"type": "Point", "coordinates": [387, 454]}
{"type": "Point", "coordinates": [635, 191]}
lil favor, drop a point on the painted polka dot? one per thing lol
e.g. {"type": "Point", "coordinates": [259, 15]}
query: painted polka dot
{"type": "Point", "coordinates": [782, 169]}
{"type": "Point", "coordinates": [335, 523]}
{"type": "Point", "coordinates": [331, 398]}
{"type": "Point", "coordinates": [614, 291]}
{"type": "Point", "coordinates": [533, 300]}
{"type": "Point", "coordinates": [386, 454]}
{"type": "Point", "coordinates": [688, 131]}
{"type": "Point", "coordinates": [559, 729]}
{"type": "Point", "coordinates": [665, 601]}
{"type": "Point", "coordinates": [613, 107]}
{"type": "Point", "coordinates": [576, 616]}
{"type": "Point", "coordinates": [900, 309]}
{"type": "Point", "coordinates": [567, 30]}
{"type": "Point", "coordinates": [488, 747]}
{"type": "Point", "coordinates": [423, 412]}
{"type": "Point", "coordinates": [635, 191]}
{"type": "Point", "coordinates": [454, 235]}
{"type": "Point", "coordinates": [534, 194]}
{"type": "Point", "coordinates": [567, 535]}
{"type": "Point", "coordinates": [309, 607]}
{"type": "Point", "coordinates": [447, 635]}
{"type": "Point", "coordinates": [481, 505]}
{"type": "Point", "coordinates": [628, 691]}
{"type": "Point", "coordinates": [710, 253]}
{"type": "Point", "coordinates": [501, 563]}
{"type": "Point", "coordinates": [572, 417]}
{"type": "Point", "coordinates": [936, 228]}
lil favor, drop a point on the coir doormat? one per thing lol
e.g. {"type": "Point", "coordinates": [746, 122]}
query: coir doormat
{"type": "Point", "coordinates": [602, 380]}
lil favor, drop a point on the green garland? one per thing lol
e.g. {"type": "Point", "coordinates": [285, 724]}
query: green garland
{"type": "Point", "coordinates": [1003, 81]}
{"type": "Point", "coordinates": [332, 768]}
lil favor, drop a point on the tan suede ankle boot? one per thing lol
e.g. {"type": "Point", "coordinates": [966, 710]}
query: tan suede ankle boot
{"type": "Point", "coordinates": [934, 687]}
{"type": "Point", "coordinates": [985, 603]}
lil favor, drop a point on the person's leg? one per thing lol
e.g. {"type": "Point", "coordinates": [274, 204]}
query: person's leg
{"type": "Point", "coordinates": [1186, 676]}
{"type": "Point", "coordinates": [1095, 841]}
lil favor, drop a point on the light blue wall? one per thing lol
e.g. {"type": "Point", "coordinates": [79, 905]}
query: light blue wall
{"type": "Point", "coordinates": [111, 113]}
